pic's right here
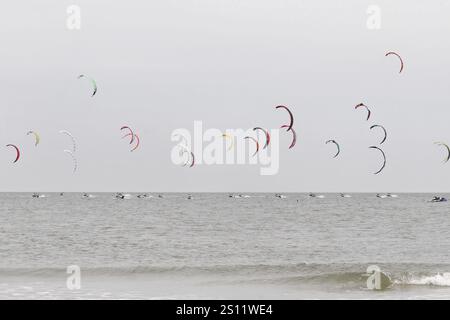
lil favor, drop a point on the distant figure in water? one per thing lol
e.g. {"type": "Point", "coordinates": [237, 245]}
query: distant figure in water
{"type": "Point", "coordinates": [313, 195]}
{"type": "Point", "coordinates": [37, 195]}
{"type": "Point", "coordinates": [119, 195]}
{"type": "Point", "coordinates": [392, 195]}
{"type": "Point", "coordinates": [160, 196]}
{"type": "Point", "coordinates": [61, 194]}
{"type": "Point", "coordinates": [189, 197]}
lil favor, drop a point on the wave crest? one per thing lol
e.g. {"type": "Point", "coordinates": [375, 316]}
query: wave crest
{"type": "Point", "coordinates": [439, 279]}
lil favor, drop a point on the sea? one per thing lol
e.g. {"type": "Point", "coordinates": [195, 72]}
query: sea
{"type": "Point", "coordinates": [223, 246]}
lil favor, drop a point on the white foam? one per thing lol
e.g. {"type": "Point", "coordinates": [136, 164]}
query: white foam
{"type": "Point", "coordinates": [440, 279]}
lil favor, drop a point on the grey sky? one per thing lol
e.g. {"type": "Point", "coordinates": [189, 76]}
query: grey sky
{"type": "Point", "coordinates": [160, 65]}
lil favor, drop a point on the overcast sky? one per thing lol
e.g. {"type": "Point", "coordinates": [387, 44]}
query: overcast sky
{"type": "Point", "coordinates": [160, 65]}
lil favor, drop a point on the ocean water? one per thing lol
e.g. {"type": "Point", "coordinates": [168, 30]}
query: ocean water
{"type": "Point", "coordinates": [216, 247]}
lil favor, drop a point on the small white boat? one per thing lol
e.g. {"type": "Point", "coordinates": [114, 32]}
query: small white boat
{"type": "Point", "coordinates": [38, 195]}
{"type": "Point", "coordinates": [438, 199]}
{"type": "Point", "coordinates": [344, 195]}
{"type": "Point", "coordinates": [313, 195]}
{"type": "Point", "coordinates": [122, 196]}
{"type": "Point", "coordinates": [392, 195]}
